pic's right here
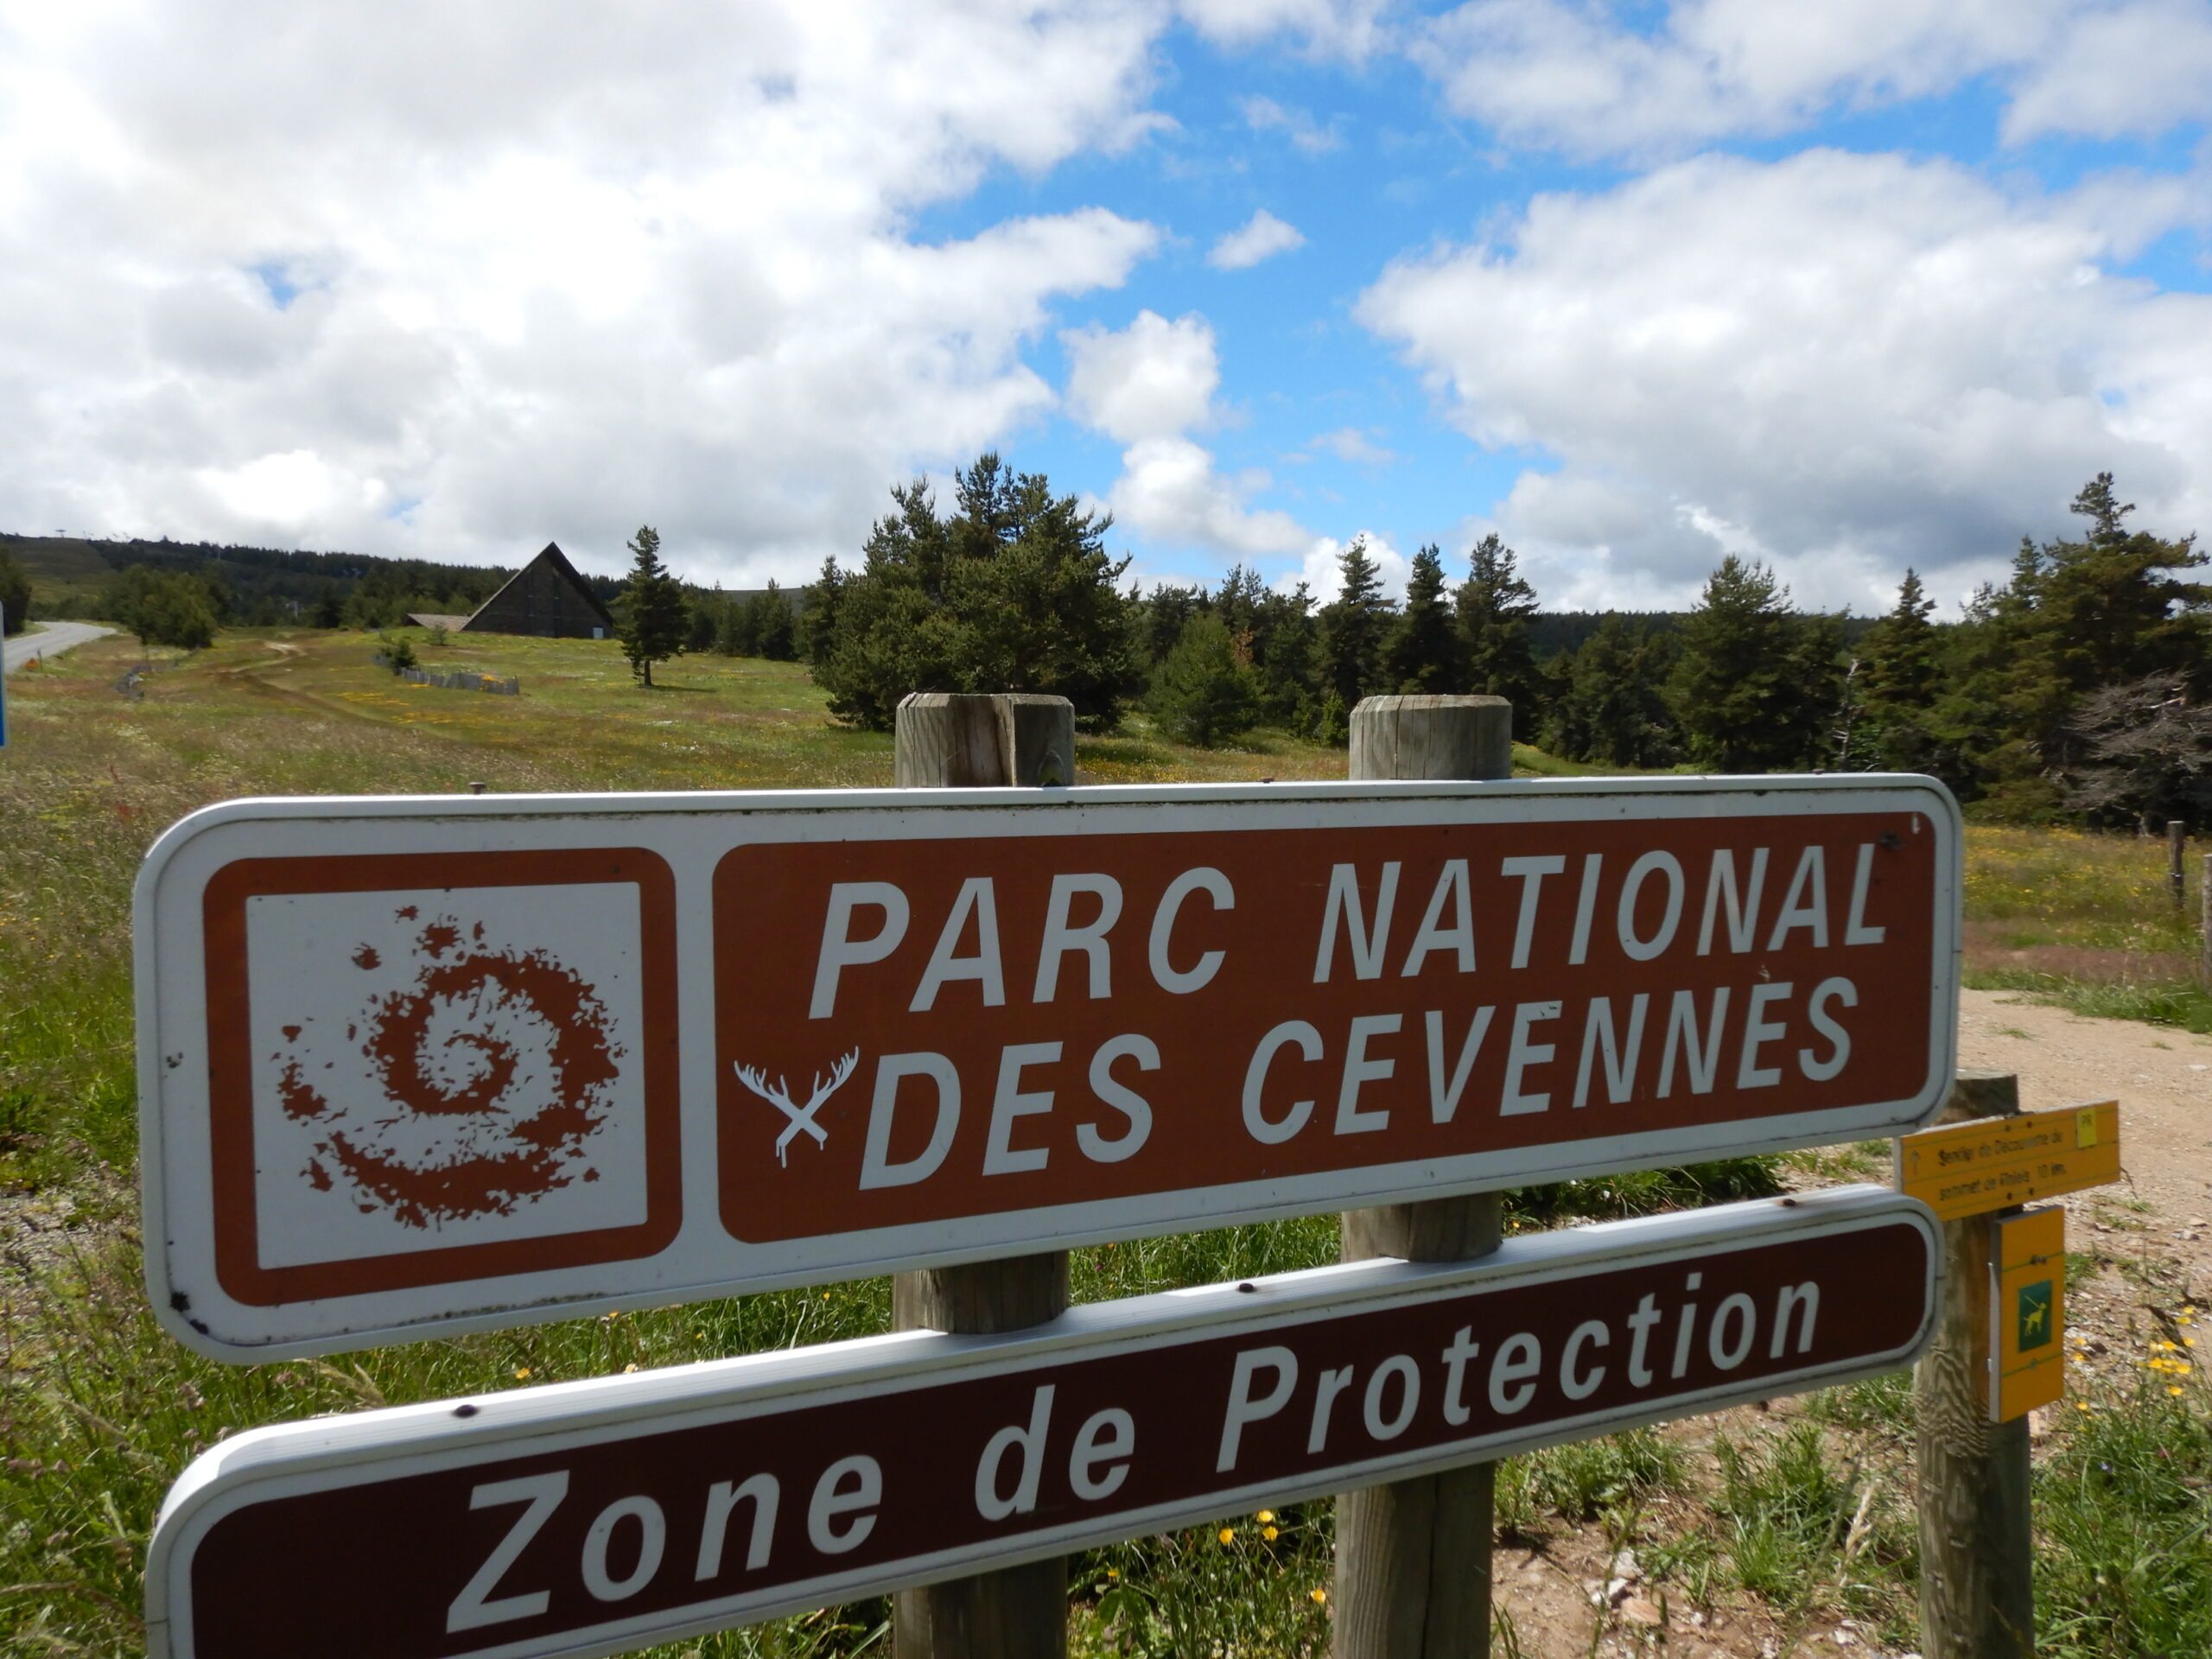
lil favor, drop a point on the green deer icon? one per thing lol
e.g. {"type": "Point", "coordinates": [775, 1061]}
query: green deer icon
{"type": "Point", "coordinates": [2035, 1313]}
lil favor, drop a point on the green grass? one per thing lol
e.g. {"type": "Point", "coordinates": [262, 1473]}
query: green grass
{"type": "Point", "coordinates": [2184, 1006]}
{"type": "Point", "coordinates": [2086, 921]}
{"type": "Point", "coordinates": [2124, 1514]}
{"type": "Point", "coordinates": [99, 1410]}
{"type": "Point", "coordinates": [1584, 1480]}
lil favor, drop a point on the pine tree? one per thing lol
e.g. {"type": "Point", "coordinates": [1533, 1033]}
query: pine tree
{"type": "Point", "coordinates": [1751, 692]}
{"type": "Point", "coordinates": [1014, 592]}
{"type": "Point", "coordinates": [2112, 609]}
{"type": "Point", "coordinates": [1606, 702]}
{"type": "Point", "coordinates": [704, 623]}
{"type": "Point", "coordinates": [14, 594]}
{"type": "Point", "coordinates": [1493, 608]}
{"type": "Point", "coordinates": [818, 626]}
{"type": "Point", "coordinates": [1286, 651]}
{"type": "Point", "coordinates": [775, 631]}
{"type": "Point", "coordinates": [736, 633]}
{"type": "Point", "coordinates": [1423, 653]}
{"type": "Point", "coordinates": [1355, 627]}
{"type": "Point", "coordinates": [1162, 618]}
{"type": "Point", "coordinates": [1895, 685]}
{"type": "Point", "coordinates": [1205, 690]}
{"type": "Point", "coordinates": [653, 624]}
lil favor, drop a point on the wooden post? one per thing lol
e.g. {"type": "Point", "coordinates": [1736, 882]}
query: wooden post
{"type": "Point", "coordinates": [1413, 1557]}
{"type": "Point", "coordinates": [2176, 839]}
{"type": "Point", "coordinates": [950, 741]}
{"type": "Point", "coordinates": [958, 740]}
{"type": "Point", "coordinates": [1977, 1598]}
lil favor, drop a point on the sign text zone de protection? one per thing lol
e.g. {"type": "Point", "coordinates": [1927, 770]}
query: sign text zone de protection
{"type": "Point", "coordinates": [409, 1064]}
{"type": "Point", "coordinates": [598, 1517]}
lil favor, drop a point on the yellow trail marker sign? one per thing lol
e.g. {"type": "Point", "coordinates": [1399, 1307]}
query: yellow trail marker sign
{"type": "Point", "coordinates": [1996, 1163]}
{"type": "Point", "coordinates": [2027, 1313]}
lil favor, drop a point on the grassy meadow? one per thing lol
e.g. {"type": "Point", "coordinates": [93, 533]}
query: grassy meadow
{"type": "Point", "coordinates": [1804, 1522]}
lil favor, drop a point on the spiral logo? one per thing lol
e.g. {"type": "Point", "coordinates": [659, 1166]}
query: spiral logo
{"type": "Point", "coordinates": [486, 1077]}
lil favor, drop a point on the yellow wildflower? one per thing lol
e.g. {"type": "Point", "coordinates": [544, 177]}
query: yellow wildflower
{"type": "Point", "coordinates": [1228, 1534]}
{"type": "Point", "coordinates": [1264, 1516]}
{"type": "Point", "coordinates": [521, 1371]}
{"type": "Point", "coordinates": [1269, 1533]}
{"type": "Point", "coordinates": [2173, 1391]}
{"type": "Point", "coordinates": [1319, 1595]}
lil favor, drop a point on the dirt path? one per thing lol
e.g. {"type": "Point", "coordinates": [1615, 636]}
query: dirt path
{"type": "Point", "coordinates": [2151, 1242]}
{"type": "Point", "coordinates": [2163, 1080]}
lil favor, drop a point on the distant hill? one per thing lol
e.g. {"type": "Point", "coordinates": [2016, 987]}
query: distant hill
{"type": "Point", "coordinates": [1553, 631]}
{"type": "Point", "coordinates": [56, 558]}
{"type": "Point", "coordinates": [262, 586]}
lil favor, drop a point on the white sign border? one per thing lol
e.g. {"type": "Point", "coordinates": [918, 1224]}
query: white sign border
{"type": "Point", "coordinates": [514, 1299]}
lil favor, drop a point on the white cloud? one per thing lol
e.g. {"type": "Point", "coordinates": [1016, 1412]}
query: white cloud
{"type": "Point", "coordinates": [1580, 77]}
{"type": "Point", "coordinates": [1145, 386]}
{"type": "Point", "coordinates": [1848, 363]}
{"type": "Point", "coordinates": [2119, 71]}
{"type": "Point", "coordinates": [1261, 237]}
{"type": "Point", "coordinates": [1153, 378]}
{"type": "Point", "coordinates": [561, 267]}
{"type": "Point", "coordinates": [1170, 493]}
{"type": "Point", "coordinates": [1322, 568]}
{"type": "Point", "coordinates": [1344, 29]}
{"type": "Point", "coordinates": [1349, 443]}
{"type": "Point", "coordinates": [294, 489]}
{"type": "Point", "coordinates": [1264, 115]}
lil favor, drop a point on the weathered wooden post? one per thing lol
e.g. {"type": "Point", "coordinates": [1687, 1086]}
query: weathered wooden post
{"type": "Point", "coordinates": [1413, 1556]}
{"type": "Point", "coordinates": [955, 741]}
{"type": "Point", "coordinates": [2176, 840]}
{"type": "Point", "coordinates": [1977, 1597]}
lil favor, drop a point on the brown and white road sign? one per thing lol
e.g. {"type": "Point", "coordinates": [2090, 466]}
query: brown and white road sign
{"type": "Point", "coordinates": [594, 1516]}
{"type": "Point", "coordinates": [431, 1064]}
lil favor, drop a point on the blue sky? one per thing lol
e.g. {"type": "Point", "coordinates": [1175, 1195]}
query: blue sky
{"type": "Point", "coordinates": [1844, 286]}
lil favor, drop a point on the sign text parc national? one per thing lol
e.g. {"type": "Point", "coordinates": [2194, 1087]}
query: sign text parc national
{"type": "Point", "coordinates": [413, 1062]}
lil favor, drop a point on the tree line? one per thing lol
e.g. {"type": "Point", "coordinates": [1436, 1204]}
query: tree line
{"type": "Point", "coordinates": [2083, 684]}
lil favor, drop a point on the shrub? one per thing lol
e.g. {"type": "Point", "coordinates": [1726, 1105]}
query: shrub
{"type": "Point", "coordinates": [1204, 691]}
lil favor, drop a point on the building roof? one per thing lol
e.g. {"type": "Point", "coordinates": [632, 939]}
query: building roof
{"type": "Point", "coordinates": [551, 555]}
{"type": "Point", "coordinates": [432, 619]}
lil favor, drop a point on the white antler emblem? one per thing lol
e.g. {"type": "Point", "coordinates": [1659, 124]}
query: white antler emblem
{"type": "Point", "coordinates": [802, 1117]}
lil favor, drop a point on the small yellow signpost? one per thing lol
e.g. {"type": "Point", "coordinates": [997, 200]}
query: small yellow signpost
{"type": "Point", "coordinates": [1966, 1171]}
{"type": "Point", "coordinates": [1995, 1163]}
{"type": "Point", "coordinates": [2027, 1313]}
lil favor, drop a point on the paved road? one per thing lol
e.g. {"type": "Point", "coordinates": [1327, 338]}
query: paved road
{"type": "Point", "coordinates": [49, 640]}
